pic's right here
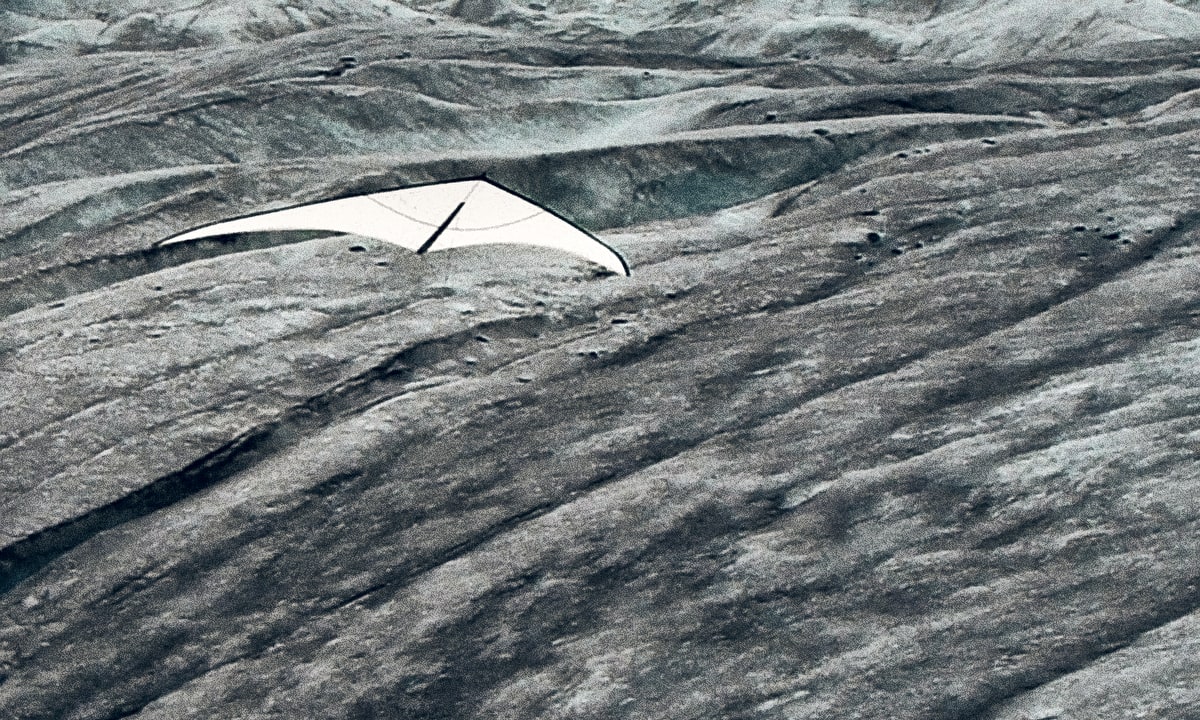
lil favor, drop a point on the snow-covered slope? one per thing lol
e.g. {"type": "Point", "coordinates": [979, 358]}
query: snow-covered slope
{"type": "Point", "coordinates": [985, 30]}
{"type": "Point", "coordinates": [962, 30]}
{"type": "Point", "coordinates": [35, 29]}
{"type": "Point", "coordinates": [896, 417]}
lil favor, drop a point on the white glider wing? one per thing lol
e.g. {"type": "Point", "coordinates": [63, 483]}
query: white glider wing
{"type": "Point", "coordinates": [425, 218]}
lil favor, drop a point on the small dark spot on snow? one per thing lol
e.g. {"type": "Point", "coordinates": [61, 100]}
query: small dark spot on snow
{"type": "Point", "coordinates": [1126, 241]}
{"type": "Point", "coordinates": [989, 141]}
{"type": "Point", "coordinates": [619, 321]}
{"type": "Point", "coordinates": [1113, 236]}
{"type": "Point", "coordinates": [821, 131]}
{"type": "Point", "coordinates": [671, 295]}
{"type": "Point", "coordinates": [897, 251]}
{"type": "Point", "coordinates": [1084, 255]}
{"type": "Point", "coordinates": [645, 73]}
{"type": "Point", "coordinates": [357, 248]}
{"type": "Point", "coordinates": [902, 155]}
{"type": "Point", "coordinates": [1149, 257]}
{"type": "Point", "coordinates": [1110, 218]}
{"type": "Point", "coordinates": [524, 379]}
{"type": "Point", "coordinates": [918, 245]}
{"type": "Point", "coordinates": [869, 213]}
{"type": "Point", "coordinates": [382, 263]}
{"type": "Point", "coordinates": [770, 117]}
{"type": "Point", "coordinates": [874, 237]}
{"type": "Point", "coordinates": [536, 6]}
{"type": "Point", "coordinates": [57, 305]}
{"type": "Point", "coordinates": [1080, 228]}
{"type": "Point", "coordinates": [93, 339]}
{"type": "Point", "coordinates": [158, 287]}
{"type": "Point", "coordinates": [858, 257]}
{"type": "Point", "coordinates": [483, 338]}
{"type": "Point", "coordinates": [593, 353]}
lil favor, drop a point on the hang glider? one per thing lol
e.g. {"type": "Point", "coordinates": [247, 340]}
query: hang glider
{"type": "Point", "coordinates": [428, 217]}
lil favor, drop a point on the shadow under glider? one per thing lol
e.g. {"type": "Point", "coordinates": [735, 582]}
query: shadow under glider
{"type": "Point", "coordinates": [431, 216]}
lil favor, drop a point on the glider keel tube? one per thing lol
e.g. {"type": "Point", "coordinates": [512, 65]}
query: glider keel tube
{"type": "Point", "coordinates": [431, 217]}
{"type": "Point", "coordinates": [441, 229]}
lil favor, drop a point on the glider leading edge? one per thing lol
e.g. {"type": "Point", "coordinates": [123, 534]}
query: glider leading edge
{"type": "Point", "coordinates": [433, 216]}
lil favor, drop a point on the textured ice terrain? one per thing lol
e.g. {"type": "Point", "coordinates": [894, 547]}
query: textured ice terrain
{"type": "Point", "coordinates": [897, 416]}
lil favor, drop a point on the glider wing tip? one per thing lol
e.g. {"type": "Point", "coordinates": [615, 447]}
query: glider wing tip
{"type": "Point", "coordinates": [611, 269]}
{"type": "Point", "coordinates": [621, 262]}
{"type": "Point", "coordinates": [176, 239]}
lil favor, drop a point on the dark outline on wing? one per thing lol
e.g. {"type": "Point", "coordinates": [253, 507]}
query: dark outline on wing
{"type": "Point", "coordinates": [481, 176]}
{"type": "Point", "coordinates": [567, 220]}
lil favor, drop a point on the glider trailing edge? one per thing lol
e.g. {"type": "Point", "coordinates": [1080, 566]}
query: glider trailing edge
{"type": "Point", "coordinates": [430, 217]}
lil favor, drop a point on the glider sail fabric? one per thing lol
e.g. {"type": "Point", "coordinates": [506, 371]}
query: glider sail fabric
{"type": "Point", "coordinates": [435, 216]}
